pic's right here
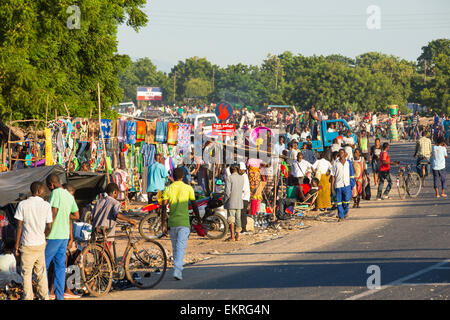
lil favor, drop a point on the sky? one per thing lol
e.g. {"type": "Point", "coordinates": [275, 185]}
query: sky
{"type": "Point", "coordinates": [246, 31]}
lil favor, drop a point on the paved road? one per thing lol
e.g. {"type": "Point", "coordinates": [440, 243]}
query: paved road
{"type": "Point", "coordinates": [408, 240]}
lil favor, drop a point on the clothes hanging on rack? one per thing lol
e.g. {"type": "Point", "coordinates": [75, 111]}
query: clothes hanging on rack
{"type": "Point", "coordinates": [151, 132]}
{"type": "Point", "coordinates": [172, 133]}
{"type": "Point", "coordinates": [141, 129]}
{"type": "Point", "coordinates": [184, 136]}
{"type": "Point", "coordinates": [131, 132]}
{"type": "Point", "coordinates": [161, 132]}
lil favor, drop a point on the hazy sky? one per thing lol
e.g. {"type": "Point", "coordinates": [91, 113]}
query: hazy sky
{"type": "Point", "coordinates": [232, 31]}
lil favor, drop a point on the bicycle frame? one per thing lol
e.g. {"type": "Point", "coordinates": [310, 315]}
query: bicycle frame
{"type": "Point", "coordinates": [104, 244]}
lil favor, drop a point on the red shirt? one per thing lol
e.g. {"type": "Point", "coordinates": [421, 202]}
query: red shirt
{"type": "Point", "coordinates": [305, 188]}
{"type": "Point", "coordinates": [384, 156]}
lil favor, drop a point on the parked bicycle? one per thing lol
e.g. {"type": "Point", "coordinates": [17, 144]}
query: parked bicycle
{"type": "Point", "coordinates": [143, 263]}
{"type": "Point", "coordinates": [408, 182]}
{"type": "Point", "coordinates": [214, 223]}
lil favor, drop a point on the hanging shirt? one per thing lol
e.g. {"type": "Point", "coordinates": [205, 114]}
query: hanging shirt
{"type": "Point", "coordinates": [141, 129]}
{"type": "Point", "coordinates": [106, 128]}
{"type": "Point", "coordinates": [161, 132]}
{"type": "Point", "coordinates": [184, 136]}
{"type": "Point", "coordinates": [131, 132]}
{"type": "Point", "coordinates": [172, 133]}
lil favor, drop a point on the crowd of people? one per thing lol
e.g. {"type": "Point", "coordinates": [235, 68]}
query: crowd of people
{"type": "Point", "coordinates": [339, 176]}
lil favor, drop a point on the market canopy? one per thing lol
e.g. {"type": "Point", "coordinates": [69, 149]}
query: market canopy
{"type": "Point", "coordinates": [15, 185]}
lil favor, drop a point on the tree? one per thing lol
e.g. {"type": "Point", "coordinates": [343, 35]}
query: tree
{"type": "Point", "coordinates": [42, 55]}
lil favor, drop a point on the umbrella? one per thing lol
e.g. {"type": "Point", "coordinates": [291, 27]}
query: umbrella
{"type": "Point", "coordinates": [255, 133]}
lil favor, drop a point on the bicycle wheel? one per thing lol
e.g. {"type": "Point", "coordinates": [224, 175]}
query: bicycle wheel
{"type": "Point", "coordinates": [96, 270]}
{"type": "Point", "coordinates": [216, 226]}
{"type": "Point", "coordinates": [150, 227]}
{"type": "Point", "coordinates": [413, 184]}
{"type": "Point", "coordinates": [146, 264]}
{"type": "Point", "coordinates": [401, 186]}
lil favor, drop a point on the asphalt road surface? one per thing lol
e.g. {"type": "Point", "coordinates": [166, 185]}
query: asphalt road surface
{"type": "Point", "coordinates": [407, 241]}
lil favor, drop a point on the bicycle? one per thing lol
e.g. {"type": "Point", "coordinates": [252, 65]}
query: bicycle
{"type": "Point", "coordinates": [215, 224]}
{"type": "Point", "coordinates": [143, 263]}
{"type": "Point", "coordinates": [409, 182]}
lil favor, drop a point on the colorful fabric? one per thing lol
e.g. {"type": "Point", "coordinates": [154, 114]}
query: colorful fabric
{"type": "Point", "coordinates": [254, 176]}
{"type": "Point", "coordinates": [324, 196]}
{"type": "Point", "coordinates": [161, 132]}
{"type": "Point", "coordinates": [114, 128]}
{"type": "Point", "coordinates": [122, 130]}
{"type": "Point", "coordinates": [151, 132]}
{"type": "Point", "coordinates": [48, 147]}
{"type": "Point", "coordinates": [93, 130]}
{"type": "Point", "coordinates": [106, 128]}
{"type": "Point", "coordinates": [184, 136]}
{"type": "Point", "coordinates": [140, 131]}
{"type": "Point", "coordinates": [131, 132]}
{"type": "Point", "coordinates": [172, 133]}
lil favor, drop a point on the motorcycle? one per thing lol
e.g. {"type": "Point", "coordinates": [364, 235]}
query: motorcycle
{"type": "Point", "coordinates": [213, 223]}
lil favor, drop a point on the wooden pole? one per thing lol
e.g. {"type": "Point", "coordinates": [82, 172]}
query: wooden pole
{"type": "Point", "coordinates": [9, 139]}
{"type": "Point", "coordinates": [275, 193]}
{"type": "Point", "coordinates": [67, 110]}
{"type": "Point", "coordinates": [101, 131]}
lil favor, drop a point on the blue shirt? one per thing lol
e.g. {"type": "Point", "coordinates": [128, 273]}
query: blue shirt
{"type": "Point", "coordinates": [156, 178]}
{"type": "Point", "coordinates": [438, 155]}
{"type": "Point", "coordinates": [187, 175]}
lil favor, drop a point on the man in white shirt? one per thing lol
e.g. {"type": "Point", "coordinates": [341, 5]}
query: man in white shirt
{"type": "Point", "coordinates": [34, 222]}
{"type": "Point", "coordinates": [341, 174]}
{"type": "Point", "coordinates": [292, 154]}
{"type": "Point", "coordinates": [279, 146]}
{"type": "Point", "coordinates": [321, 166]}
{"type": "Point", "coordinates": [300, 167]}
{"type": "Point", "coordinates": [305, 134]}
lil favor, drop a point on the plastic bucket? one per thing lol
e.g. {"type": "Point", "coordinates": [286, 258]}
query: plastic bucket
{"type": "Point", "coordinates": [393, 110]}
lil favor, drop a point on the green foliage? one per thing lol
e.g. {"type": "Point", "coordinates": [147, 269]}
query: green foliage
{"type": "Point", "coordinates": [40, 56]}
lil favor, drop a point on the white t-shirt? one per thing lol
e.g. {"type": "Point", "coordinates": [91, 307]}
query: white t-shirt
{"type": "Point", "coordinates": [246, 189]}
{"type": "Point", "coordinates": [348, 140]}
{"type": "Point", "coordinates": [341, 174]}
{"type": "Point", "coordinates": [292, 156]}
{"type": "Point", "coordinates": [8, 270]}
{"type": "Point", "coordinates": [322, 165]}
{"type": "Point", "coordinates": [304, 135]}
{"type": "Point", "coordinates": [299, 169]}
{"type": "Point", "coordinates": [35, 213]}
{"type": "Point", "coordinates": [374, 120]}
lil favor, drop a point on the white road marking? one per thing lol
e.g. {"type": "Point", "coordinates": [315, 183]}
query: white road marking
{"type": "Point", "coordinates": [399, 281]}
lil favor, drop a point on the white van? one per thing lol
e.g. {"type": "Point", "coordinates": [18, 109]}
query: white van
{"type": "Point", "coordinates": [206, 118]}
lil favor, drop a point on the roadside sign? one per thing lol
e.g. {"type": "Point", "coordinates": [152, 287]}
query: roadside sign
{"type": "Point", "coordinates": [222, 129]}
{"type": "Point", "coordinates": [224, 111]}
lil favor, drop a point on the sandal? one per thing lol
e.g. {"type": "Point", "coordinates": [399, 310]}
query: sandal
{"type": "Point", "coordinates": [229, 239]}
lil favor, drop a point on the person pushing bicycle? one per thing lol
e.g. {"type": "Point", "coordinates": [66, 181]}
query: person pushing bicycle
{"type": "Point", "coordinates": [107, 211]}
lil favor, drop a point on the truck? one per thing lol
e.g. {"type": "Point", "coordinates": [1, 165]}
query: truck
{"type": "Point", "coordinates": [326, 137]}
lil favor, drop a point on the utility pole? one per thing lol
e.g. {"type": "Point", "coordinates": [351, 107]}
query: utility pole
{"type": "Point", "coordinates": [174, 86]}
{"type": "Point", "coordinates": [213, 79]}
{"type": "Point", "coordinates": [276, 78]}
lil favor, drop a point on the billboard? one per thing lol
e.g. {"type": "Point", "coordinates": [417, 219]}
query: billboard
{"type": "Point", "coordinates": [149, 93]}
